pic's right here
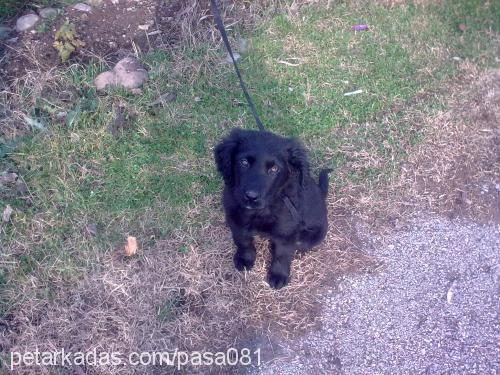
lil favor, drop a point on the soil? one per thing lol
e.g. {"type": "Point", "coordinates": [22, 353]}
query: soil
{"type": "Point", "coordinates": [110, 31]}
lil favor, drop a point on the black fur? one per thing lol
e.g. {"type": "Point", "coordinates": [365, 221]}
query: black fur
{"type": "Point", "coordinates": [260, 169]}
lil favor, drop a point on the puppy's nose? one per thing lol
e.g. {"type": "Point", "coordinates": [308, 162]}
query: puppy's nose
{"type": "Point", "coordinates": [251, 195]}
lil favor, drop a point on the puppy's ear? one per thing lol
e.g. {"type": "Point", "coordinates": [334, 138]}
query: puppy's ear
{"type": "Point", "coordinates": [297, 158]}
{"type": "Point", "coordinates": [223, 155]}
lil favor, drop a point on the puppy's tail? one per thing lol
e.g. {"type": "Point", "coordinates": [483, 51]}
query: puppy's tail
{"type": "Point", "coordinates": [323, 181]}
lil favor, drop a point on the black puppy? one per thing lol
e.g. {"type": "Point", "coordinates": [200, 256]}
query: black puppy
{"type": "Point", "coordinates": [269, 190]}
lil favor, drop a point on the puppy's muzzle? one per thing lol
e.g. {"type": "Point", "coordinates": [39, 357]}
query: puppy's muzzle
{"type": "Point", "coordinates": [253, 200]}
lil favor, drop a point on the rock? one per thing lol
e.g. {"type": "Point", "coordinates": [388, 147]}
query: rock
{"type": "Point", "coordinates": [130, 73]}
{"type": "Point", "coordinates": [4, 32]}
{"type": "Point", "coordinates": [48, 12]}
{"type": "Point", "coordinates": [26, 22]}
{"type": "Point", "coordinates": [82, 7]}
{"type": "Point", "coordinates": [105, 79]}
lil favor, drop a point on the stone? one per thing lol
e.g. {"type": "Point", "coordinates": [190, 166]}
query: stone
{"type": "Point", "coordinates": [26, 22]}
{"type": "Point", "coordinates": [82, 7]}
{"type": "Point", "coordinates": [48, 12]}
{"type": "Point", "coordinates": [105, 79]}
{"type": "Point", "coordinates": [130, 73]}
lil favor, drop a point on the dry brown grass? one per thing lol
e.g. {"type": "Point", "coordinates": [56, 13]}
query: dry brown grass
{"type": "Point", "coordinates": [119, 309]}
{"type": "Point", "coordinates": [455, 170]}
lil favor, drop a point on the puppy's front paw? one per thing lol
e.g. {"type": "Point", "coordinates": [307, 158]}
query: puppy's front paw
{"type": "Point", "coordinates": [243, 263]}
{"type": "Point", "coordinates": [278, 281]}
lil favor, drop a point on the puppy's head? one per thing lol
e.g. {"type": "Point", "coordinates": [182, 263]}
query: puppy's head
{"type": "Point", "coordinates": [256, 165]}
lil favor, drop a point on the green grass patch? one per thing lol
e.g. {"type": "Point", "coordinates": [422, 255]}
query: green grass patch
{"type": "Point", "coordinates": [142, 177]}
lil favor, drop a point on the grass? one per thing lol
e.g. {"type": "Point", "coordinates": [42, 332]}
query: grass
{"type": "Point", "coordinates": [147, 179]}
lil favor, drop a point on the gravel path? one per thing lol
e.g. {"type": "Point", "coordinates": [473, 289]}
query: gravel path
{"type": "Point", "coordinates": [433, 308]}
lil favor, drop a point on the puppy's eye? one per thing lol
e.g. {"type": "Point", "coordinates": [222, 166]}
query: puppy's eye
{"type": "Point", "coordinates": [274, 169]}
{"type": "Point", "coordinates": [244, 163]}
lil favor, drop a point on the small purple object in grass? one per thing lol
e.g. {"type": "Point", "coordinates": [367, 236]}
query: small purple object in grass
{"type": "Point", "coordinates": [360, 27]}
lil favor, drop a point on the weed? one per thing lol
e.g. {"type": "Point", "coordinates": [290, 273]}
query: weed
{"type": "Point", "coordinates": [66, 40]}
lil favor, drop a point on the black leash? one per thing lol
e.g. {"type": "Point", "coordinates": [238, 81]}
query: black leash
{"type": "Point", "coordinates": [222, 30]}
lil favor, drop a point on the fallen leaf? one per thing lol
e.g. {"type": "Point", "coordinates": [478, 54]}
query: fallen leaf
{"type": "Point", "coordinates": [131, 246]}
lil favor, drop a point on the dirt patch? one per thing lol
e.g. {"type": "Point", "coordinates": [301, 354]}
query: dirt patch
{"type": "Point", "coordinates": [107, 30]}
{"type": "Point", "coordinates": [115, 29]}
